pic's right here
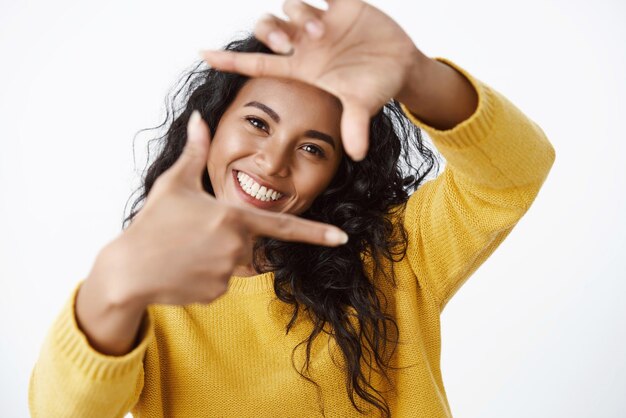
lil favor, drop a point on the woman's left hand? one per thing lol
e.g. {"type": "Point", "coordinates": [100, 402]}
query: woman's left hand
{"type": "Point", "coordinates": [351, 50]}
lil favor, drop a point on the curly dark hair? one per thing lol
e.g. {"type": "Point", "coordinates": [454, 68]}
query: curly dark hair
{"type": "Point", "coordinates": [330, 284]}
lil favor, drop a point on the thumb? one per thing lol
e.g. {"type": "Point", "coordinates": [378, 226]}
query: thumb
{"type": "Point", "coordinates": [355, 125]}
{"type": "Point", "coordinates": [192, 162]}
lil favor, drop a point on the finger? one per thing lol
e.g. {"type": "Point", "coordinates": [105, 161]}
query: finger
{"type": "Point", "coordinates": [355, 123]}
{"type": "Point", "coordinates": [305, 16]}
{"type": "Point", "coordinates": [275, 33]}
{"type": "Point", "coordinates": [253, 64]}
{"type": "Point", "coordinates": [192, 162]}
{"type": "Point", "coordinates": [287, 227]}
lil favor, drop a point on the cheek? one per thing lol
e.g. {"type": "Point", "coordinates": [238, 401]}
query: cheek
{"type": "Point", "coordinates": [230, 142]}
{"type": "Point", "coordinates": [311, 184]}
{"type": "Point", "coordinates": [224, 149]}
{"type": "Point", "coordinates": [214, 164]}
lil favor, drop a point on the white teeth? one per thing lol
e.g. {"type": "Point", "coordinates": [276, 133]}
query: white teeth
{"type": "Point", "coordinates": [255, 190]}
{"type": "Point", "coordinates": [261, 193]}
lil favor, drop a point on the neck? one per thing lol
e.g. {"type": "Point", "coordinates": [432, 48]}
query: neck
{"type": "Point", "coordinates": [248, 270]}
{"type": "Point", "coordinates": [245, 271]}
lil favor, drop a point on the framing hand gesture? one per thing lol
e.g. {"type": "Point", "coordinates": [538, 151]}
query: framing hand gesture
{"type": "Point", "coordinates": [184, 244]}
{"type": "Point", "coordinates": [352, 50]}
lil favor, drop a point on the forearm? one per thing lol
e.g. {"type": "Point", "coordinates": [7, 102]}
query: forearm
{"type": "Point", "coordinates": [72, 377]}
{"type": "Point", "coordinates": [497, 147]}
{"type": "Point", "coordinates": [109, 321]}
{"type": "Point", "coordinates": [437, 94]}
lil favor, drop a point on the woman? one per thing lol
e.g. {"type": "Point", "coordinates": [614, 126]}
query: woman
{"type": "Point", "coordinates": [228, 296]}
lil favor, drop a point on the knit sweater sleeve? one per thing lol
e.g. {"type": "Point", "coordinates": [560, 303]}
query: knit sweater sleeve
{"type": "Point", "coordinates": [71, 379]}
{"type": "Point", "coordinates": [496, 162]}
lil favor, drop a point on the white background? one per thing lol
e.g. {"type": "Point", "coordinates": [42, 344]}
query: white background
{"type": "Point", "coordinates": [538, 331]}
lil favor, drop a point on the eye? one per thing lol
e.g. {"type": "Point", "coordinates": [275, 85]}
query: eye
{"type": "Point", "coordinates": [314, 150]}
{"type": "Point", "coordinates": [257, 123]}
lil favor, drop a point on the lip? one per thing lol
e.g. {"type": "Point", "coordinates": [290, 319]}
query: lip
{"type": "Point", "coordinates": [258, 203]}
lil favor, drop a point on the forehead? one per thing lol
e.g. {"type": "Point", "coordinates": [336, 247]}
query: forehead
{"type": "Point", "coordinates": [290, 97]}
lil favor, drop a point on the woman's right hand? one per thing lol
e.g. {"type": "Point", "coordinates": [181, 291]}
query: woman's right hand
{"type": "Point", "coordinates": [183, 246]}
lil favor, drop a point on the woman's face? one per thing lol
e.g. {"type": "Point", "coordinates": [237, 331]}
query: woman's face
{"type": "Point", "coordinates": [277, 147]}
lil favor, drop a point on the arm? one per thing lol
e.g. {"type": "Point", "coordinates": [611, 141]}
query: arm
{"type": "Point", "coordinates": [437, 94]}
{"type": "Point", "coordinates": [497, 160]}
{"type": "Point", "coordinates": [109, 318]}
{"type": "Point", "coordinates": [71, 377]}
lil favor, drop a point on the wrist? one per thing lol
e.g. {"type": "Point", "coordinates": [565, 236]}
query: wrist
{"type": "Point", "coordinates": [439, 95]}
{"type": "Point", "coordinates": [112, 277]}
{"type": "Point", "coordinates": [419, 69]}
{"type": "Point", "coordinates": [108, 318]}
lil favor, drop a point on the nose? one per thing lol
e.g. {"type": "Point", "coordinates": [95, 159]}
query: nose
{"type": "Point", "coordinates": [274, 158]}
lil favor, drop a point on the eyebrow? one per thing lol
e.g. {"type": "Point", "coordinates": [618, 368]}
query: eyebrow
{"type": "Point", "coordinates": [311, 133]}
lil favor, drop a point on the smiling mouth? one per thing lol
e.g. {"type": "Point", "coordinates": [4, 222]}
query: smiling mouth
{"type": "Point", "coordinates": [255, 190]}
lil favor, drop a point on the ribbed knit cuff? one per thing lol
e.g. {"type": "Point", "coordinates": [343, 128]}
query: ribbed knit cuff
{"type": "Point", "coordinates": [70, 342]}
{"type": "Point", "coordinates": [471, 130]}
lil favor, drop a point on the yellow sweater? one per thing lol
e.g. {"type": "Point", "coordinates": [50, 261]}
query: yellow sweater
{"type": "Point", "coordinates": [231, 358]}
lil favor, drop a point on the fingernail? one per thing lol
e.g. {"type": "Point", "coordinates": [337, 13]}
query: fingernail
{"type": "Point", "coordinates": [336, 236]}
{"type": "Point", "coordinates": [356, 157]}
{"type": "Point", "coordinates": [210, 57]}
{"type": "Point", "coordinates": [279, 42]}
{"type": "Point", "coordinates": [193, 125]}
{"type": "Point", "coordinates": [204, 53]}
{"type": "Point", "coordinates": [195, 117]}
{"type": "Point", "coordinates": [315, 28]}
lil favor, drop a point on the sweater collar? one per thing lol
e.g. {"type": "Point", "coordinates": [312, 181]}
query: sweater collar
{"type": "Point", "coordinates": [260, 283]}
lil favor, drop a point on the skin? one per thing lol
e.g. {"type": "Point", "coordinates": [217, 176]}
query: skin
{"type": "Point", "coordinates": [358, 55]}
{"type": "Point", "coordinates": [361, 56]}
{"type": "Point", "coordinates": [280, 153]}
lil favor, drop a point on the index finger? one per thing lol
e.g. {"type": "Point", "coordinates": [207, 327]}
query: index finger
{"type": "Point", "coordinates": [253, 64]}
{"type": "Point", "coordinates": [288, 227]}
